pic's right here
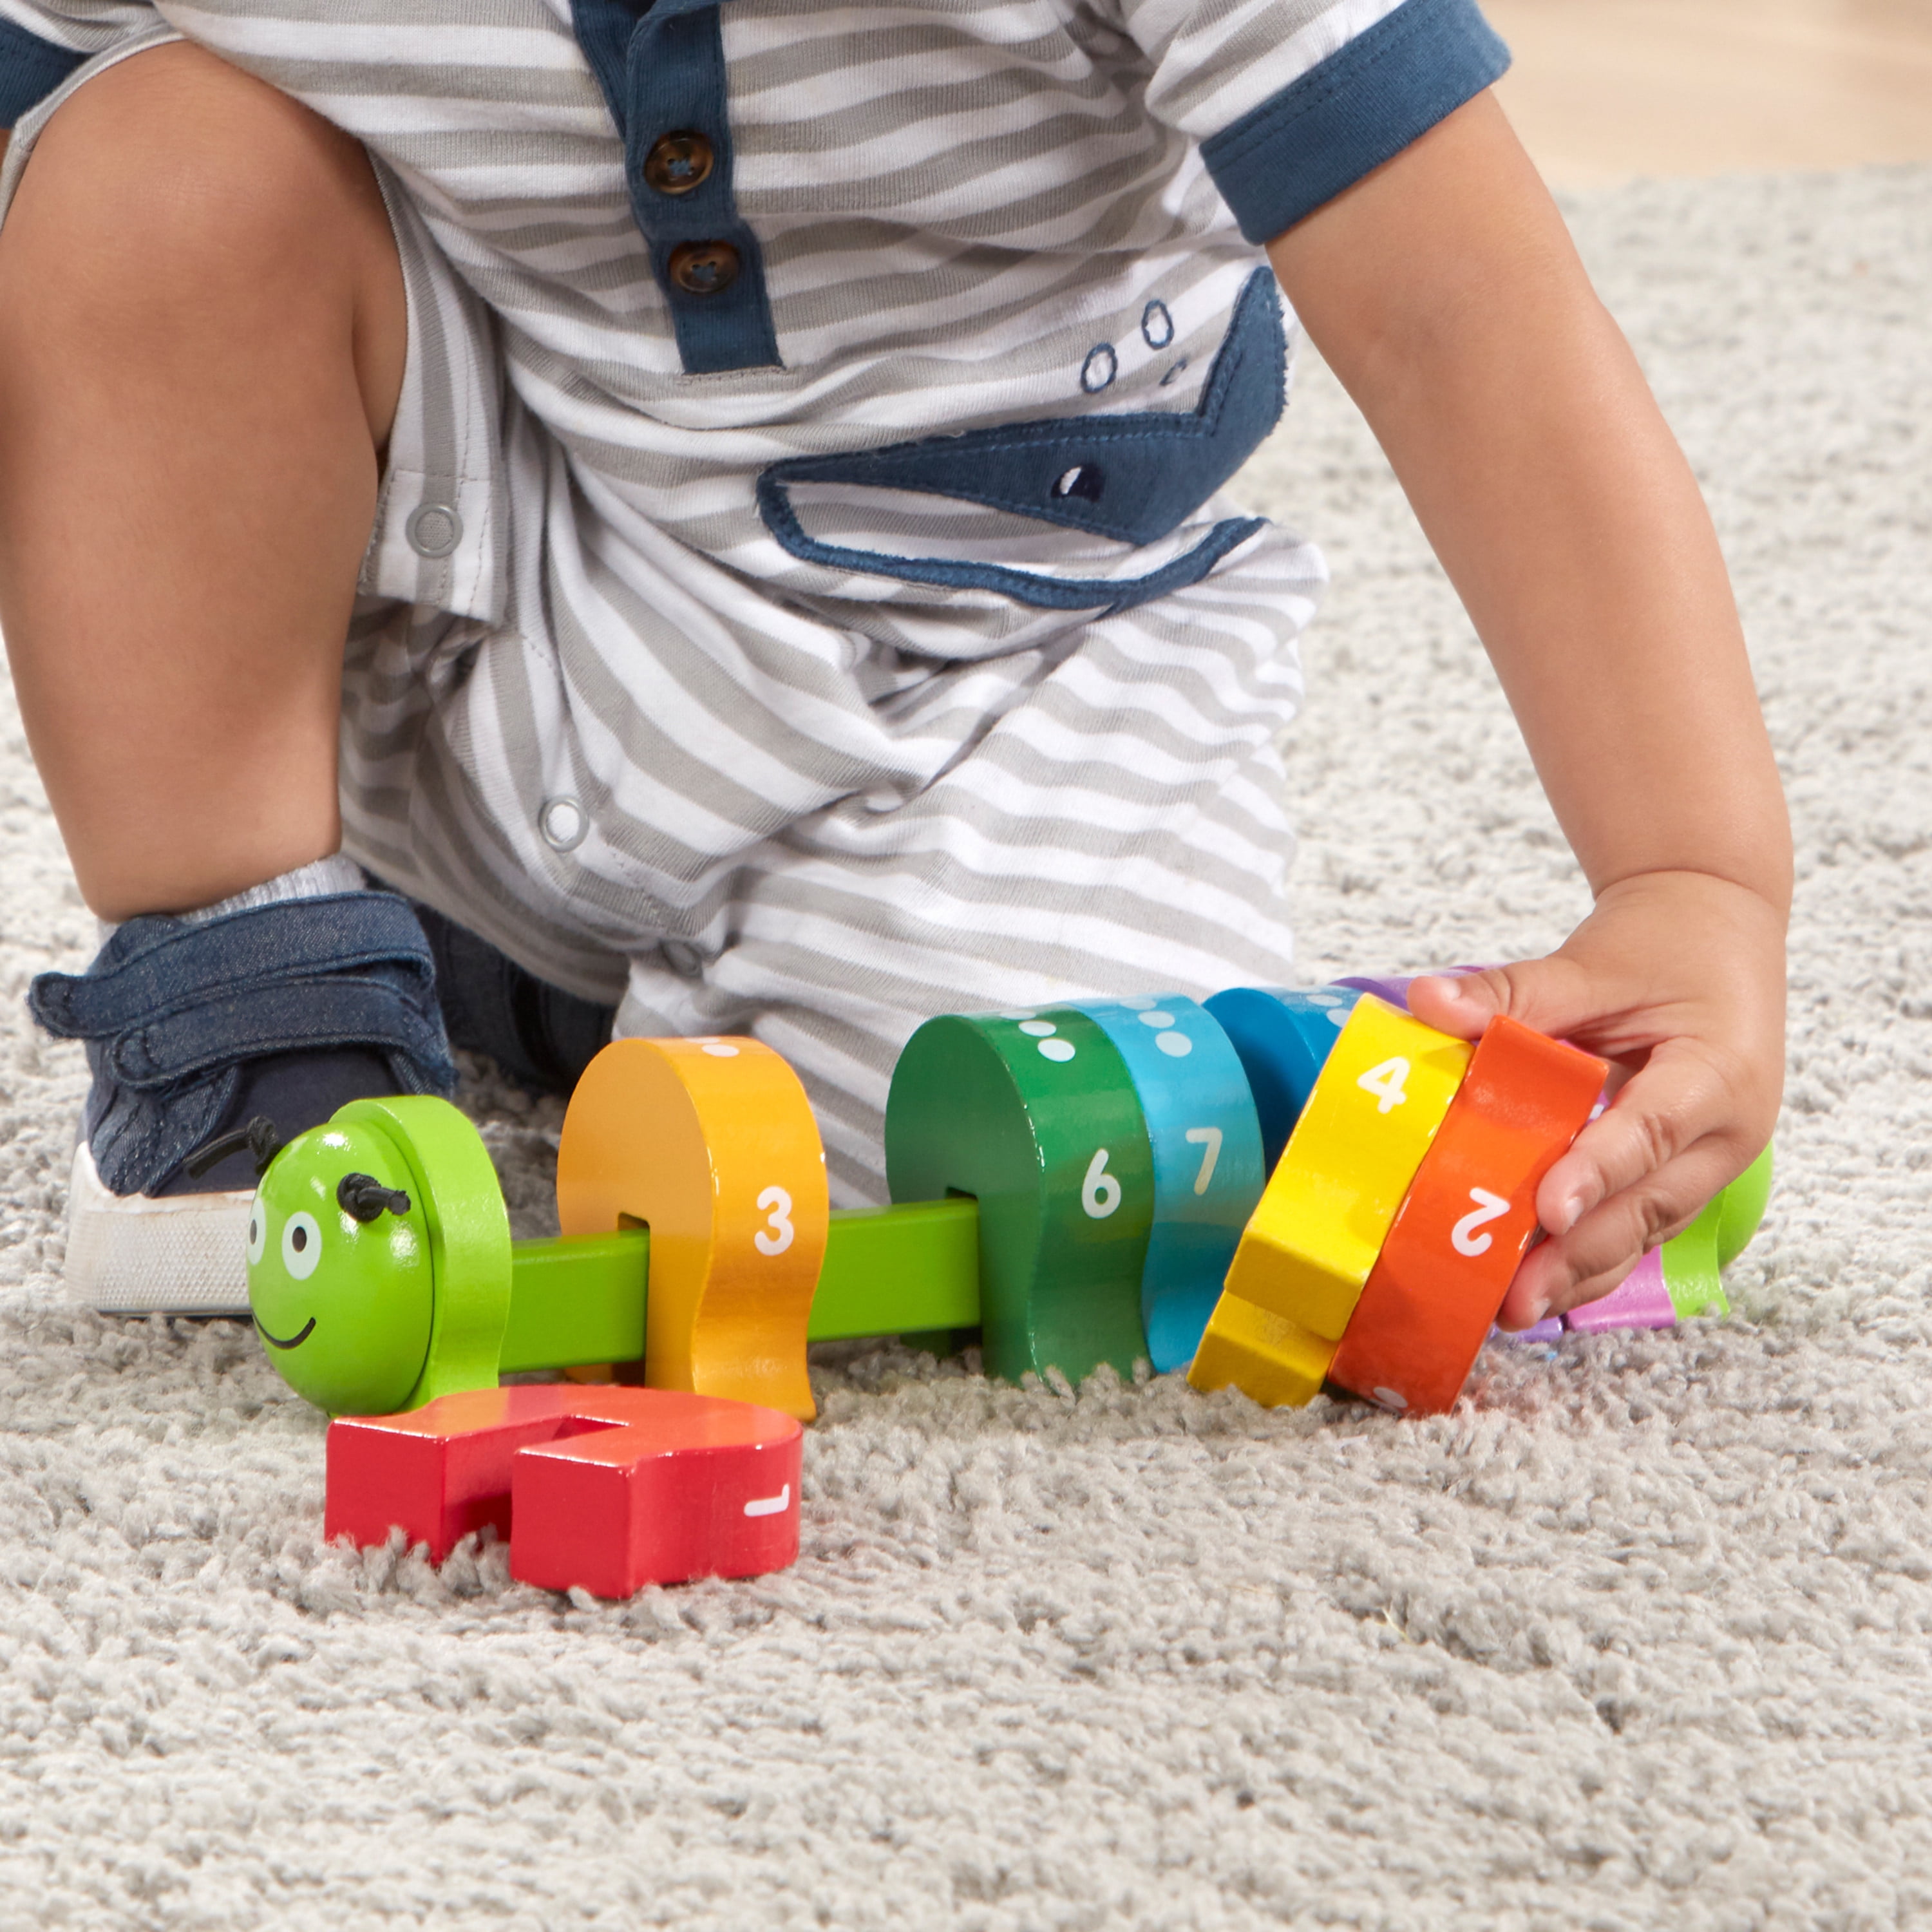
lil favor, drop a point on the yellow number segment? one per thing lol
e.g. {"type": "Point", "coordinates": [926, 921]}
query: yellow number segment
{"type": "Point", "coordinates": [710, 1144]}
{"type": "Point", "coordinates": [1306, 1254]}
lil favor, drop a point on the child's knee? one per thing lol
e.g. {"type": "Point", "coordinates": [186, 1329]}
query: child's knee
{"type": "Point", "coordinates": [174, 181]}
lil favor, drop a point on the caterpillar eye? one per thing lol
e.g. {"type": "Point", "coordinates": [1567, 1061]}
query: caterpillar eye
{"type": "Point", "coordinates": [302, 1246]}
{"type": "Point", "coordinates": [257, 1234]}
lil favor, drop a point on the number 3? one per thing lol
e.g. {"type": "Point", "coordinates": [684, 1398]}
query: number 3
{"type": "Point", "coordinates": [1384, 1082]}
{"type": "Point", "coordinates": [1463, 1237]}
{"type": "Point", "coordinates": [775, 1239]}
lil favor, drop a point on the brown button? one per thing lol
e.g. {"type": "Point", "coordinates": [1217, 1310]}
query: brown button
{"type": "Point", "coordinates": [678, 163]}
{"type": "Point", "coordinates": [704, 268]}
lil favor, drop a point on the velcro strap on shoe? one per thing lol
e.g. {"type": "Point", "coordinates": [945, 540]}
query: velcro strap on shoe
{"type": "Point", "coordinates": [166, 1000]}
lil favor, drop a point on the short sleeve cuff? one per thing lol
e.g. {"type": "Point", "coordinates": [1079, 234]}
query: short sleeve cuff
{"type": "Point", "coordinates": [1360, 108]}
{"type": "Point", "coordinates": [31, 69]}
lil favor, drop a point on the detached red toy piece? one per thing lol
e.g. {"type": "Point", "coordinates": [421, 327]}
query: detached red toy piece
{"type": "Point", "coordinates": [607, 1488]}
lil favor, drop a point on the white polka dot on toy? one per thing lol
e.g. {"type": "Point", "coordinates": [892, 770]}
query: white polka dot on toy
{"type": "Point", "coordinates": [1056, 1049]}
{"type": "Point", "coordinates": [720, 1049]}
{"type": "Point", "coordinates": [1139, 1006]}
{"type": "Point", "coordinates": [1039, 1029]}
{"type": "Point", "coordinates": [1177, 1046]}
{"type": "Point", "coordinates": [1339, 1018]}
{"type": "Point", "coordinates": [1156, 1019]}
{"type": "Point", "coordinates": [1389, 1398]}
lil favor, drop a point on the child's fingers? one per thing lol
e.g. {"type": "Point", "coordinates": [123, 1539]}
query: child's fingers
{"type": "Point", "coordinates": [1683, 1099]}
{"type": "Point", "coordinates": [1555, 995]}
{"type": "Point", "coordinates": [1569, 1269]}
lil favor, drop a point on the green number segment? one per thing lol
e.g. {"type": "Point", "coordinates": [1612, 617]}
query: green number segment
{"type": "Point", "coordinates": [1038, 1121]}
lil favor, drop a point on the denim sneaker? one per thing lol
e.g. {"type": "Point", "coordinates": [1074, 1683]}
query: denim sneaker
{"type": "Point", "coordinates": [194, 1029]}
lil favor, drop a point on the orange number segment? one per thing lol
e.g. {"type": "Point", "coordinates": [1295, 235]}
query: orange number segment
{"type": "Point", "coordinates": [1467, 1220]}
{"type": "Point", "coordinates": [711, 1145]}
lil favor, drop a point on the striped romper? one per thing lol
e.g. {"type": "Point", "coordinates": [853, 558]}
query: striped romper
{"type": "Point", "coordinates": [802, 598]}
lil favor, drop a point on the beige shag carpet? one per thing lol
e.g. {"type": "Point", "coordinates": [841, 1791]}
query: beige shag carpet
{"type": "Point", "coordinates": [1638, 1637]}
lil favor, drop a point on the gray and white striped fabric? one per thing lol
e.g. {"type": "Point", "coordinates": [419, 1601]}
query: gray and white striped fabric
{"type": "Point", "coordinates": [815, 762]}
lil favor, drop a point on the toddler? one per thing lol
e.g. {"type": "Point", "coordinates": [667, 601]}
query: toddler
{"type": "Point", "coordinates": [524, 517]}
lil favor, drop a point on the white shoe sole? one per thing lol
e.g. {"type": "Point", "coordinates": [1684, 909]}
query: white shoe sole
{"type": "Point", "coordinates": [138, 1254]}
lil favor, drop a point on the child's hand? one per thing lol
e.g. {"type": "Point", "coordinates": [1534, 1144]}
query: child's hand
{"type": "Point", "coordinates": [1677, 979]}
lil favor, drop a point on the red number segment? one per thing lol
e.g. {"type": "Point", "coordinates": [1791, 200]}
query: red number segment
{"type": "Point", "coordinates": [608, 1488]}
{"type": "Point", "coordinates": [1466, 1221]}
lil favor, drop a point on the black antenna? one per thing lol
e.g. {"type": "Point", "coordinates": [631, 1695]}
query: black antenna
{"type": "Point", "coordinates": [365, 1197]}
{"type": "Point", "coordinates": [258, 1137]}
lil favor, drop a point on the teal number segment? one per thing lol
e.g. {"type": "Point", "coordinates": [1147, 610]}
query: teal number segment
{"type": "Point", "coordinates": [1206, 1141]}
{"type": "Point", "coordinates": [1283, 1036]}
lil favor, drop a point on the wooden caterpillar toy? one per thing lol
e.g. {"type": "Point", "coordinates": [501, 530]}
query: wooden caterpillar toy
{"type": "Point", "coordinates": [1283, 1187]}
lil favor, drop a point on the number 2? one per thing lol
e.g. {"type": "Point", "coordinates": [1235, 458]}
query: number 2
{"type": "Point", "coordinates": [1209, 1138]}
{"type": "Point", "coordinates": [1384, 1082]}
{"type": "Point", "coordinates": [1463, 1237]}
{"type": "Point", "coordinates": [776, 1238]}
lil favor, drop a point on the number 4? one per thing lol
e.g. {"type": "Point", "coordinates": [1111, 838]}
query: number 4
{"type": "Point", "coordinates": [1384, 1082]}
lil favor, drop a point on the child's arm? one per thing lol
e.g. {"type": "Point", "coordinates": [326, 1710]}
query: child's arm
{"type": "Point", "coordinates": [1444, 291]}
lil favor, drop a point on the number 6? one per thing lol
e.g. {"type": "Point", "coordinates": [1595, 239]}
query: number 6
{"type": "Point", "coordinates": [1099, 1192]}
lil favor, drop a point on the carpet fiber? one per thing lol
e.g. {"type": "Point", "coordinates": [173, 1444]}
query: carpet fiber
{"type": "Point", "coordinates": [1638, 1636]}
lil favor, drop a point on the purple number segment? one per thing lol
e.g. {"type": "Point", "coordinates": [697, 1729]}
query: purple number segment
{"type": "Point", "coordinates": [1394, 987]}
{"type": "Point", "coordinates": [1640, 1300]}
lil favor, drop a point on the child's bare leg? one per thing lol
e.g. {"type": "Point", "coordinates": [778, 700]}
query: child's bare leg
{"type": "Point", "coordinates": [202, 329]}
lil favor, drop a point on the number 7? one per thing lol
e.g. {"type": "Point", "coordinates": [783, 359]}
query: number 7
{"type": "Point", "coordinates": [1209, 1138]}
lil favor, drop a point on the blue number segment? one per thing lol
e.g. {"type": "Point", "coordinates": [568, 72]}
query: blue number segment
{"type": "Point", "coordinates": [1282, 1036]}
{"type": "Point", "coordinates": [1208, 1170]}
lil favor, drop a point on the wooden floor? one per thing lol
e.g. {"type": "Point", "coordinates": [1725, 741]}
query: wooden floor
{"type": "Point", "coordinates": [1605, 89]}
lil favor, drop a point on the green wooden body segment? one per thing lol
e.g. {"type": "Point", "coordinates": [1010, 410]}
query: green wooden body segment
{"type": "Point", "coordinates": [887, 1270]}
{"type": "Point", "coordinates": [576, 1301]}
{"type": "Point", "coordinates": [899, 1271]}
{"type": "Point", "coordinates": [1039, 1121]}
{"type": "Point", "coordinates": [1745, 1201]}
{"type": "Point", "coordinates": [1694, 1261]}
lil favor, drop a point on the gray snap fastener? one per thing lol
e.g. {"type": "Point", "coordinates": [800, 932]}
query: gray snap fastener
{"type": "Point", "coordinates": [433, 529]}
{"type": "Point", "coordinates": [562, 823]}
{"type": "Point", "coordinates": [683, 958]}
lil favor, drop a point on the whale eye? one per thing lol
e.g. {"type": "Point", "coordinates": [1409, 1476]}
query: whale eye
{"type": "Point", "coordinates": [302, 1246]}
{"type": "Point", "coordinates": [258, 1234]}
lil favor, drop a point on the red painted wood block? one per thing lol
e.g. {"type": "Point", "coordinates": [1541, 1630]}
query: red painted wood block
{"type": "Point", "coordinates": [604, 1487]}
{"type": "Point", "coordinates": [1466, 1221]}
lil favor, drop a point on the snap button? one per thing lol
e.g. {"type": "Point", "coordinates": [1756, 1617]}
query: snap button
{"type": "Point", "coordinates": [704, 268]}
{"type": "Point", "coordinates": [563, 823]}
{"type": "Point", "coordinates": [683, 958]}
{"type": "Point", "coordinates": [433, 529]}
{"type": "Point", "coordinates": [678, 163]}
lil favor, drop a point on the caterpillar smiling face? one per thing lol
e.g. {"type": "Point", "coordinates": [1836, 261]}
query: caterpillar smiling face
{"type": "Point", "coordinates": [339, 1276]}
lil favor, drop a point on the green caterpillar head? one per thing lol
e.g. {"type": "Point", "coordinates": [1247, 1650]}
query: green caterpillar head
{"type": "Point", "coordinates": [339, 1277]}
